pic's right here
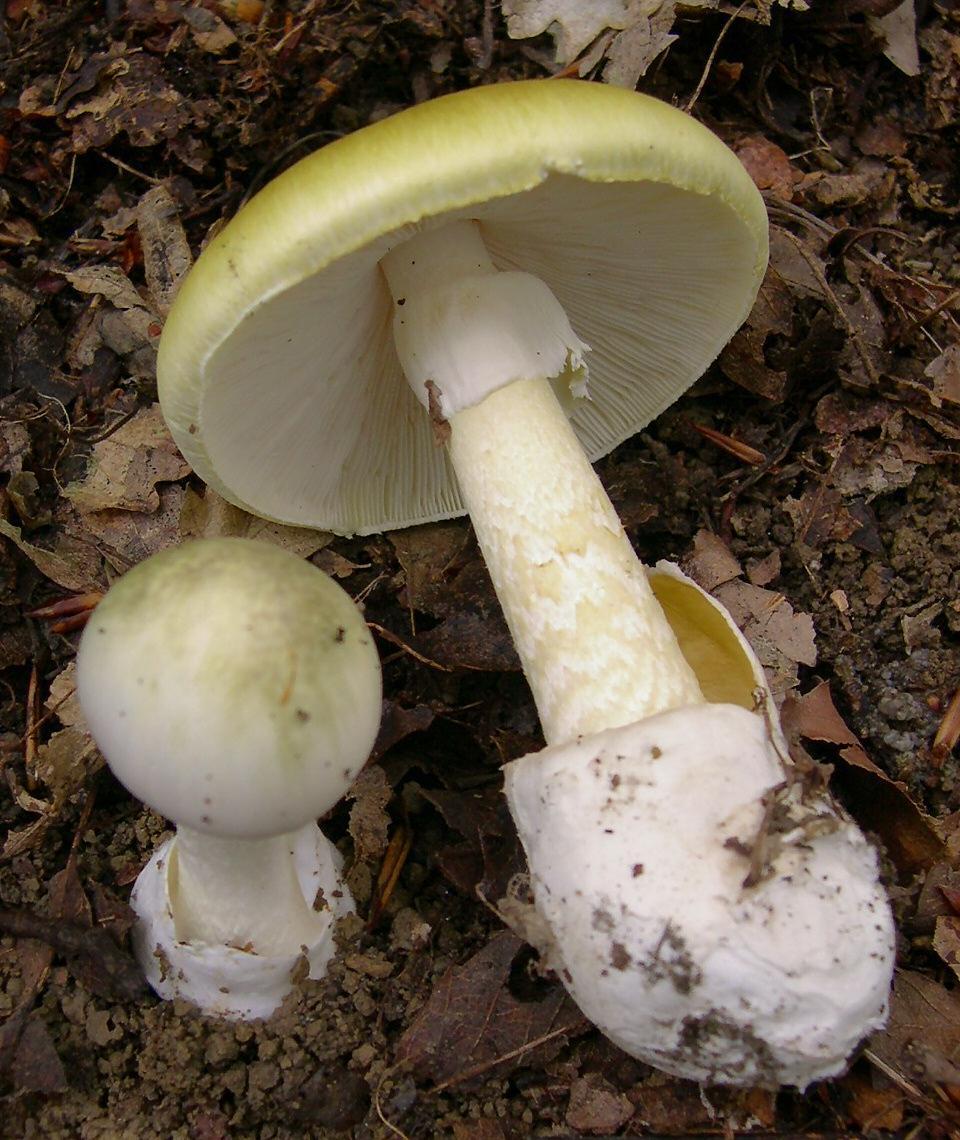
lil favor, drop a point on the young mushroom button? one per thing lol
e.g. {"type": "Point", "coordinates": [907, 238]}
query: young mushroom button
{"type": "Point", "coordinates": [235, 689]}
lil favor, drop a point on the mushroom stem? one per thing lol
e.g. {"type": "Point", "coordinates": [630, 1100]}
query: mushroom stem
{"type": "Point", "coordinates": [595, 645]}
{"type": "Point", "coordinates": [242, 893]}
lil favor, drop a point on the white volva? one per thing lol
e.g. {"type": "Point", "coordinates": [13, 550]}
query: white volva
{"type": "Point", "coordinates": [710, 907]}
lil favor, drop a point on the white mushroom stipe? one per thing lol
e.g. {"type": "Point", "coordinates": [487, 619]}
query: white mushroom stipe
{"type": "Point", "coordinates": [595, 646]}
{"type": "Point", "coordinates": [236, 689]}
{"type": "Point", "coordinates": [708, 907]}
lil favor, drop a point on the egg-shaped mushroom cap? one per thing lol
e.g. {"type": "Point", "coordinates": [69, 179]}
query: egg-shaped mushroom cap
{"type": "Point", "coordinates": [231, 686]}
{"type": "Point", "coordinates": [277, 369]}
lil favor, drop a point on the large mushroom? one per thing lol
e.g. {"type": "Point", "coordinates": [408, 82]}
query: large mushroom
{"type": "Point", "coordinates": [235, 689]}
{"type": "Point", "coordinates": [444, 276]}
{"type": "Point", "coordinates": [439, 262]}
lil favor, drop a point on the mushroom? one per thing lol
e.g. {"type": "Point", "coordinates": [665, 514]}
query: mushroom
{"type": "Point", "coordinates": [235, 689]}
{"type": "Point", "coordinates": [707, 904]}
{"type": "Point", "coordinates": [440, 276]}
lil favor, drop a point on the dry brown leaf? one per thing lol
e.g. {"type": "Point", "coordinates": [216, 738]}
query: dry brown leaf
{"type": "Point", "coordinates": [781, 638]}
{"type": "Point", "coordinates": [946, 941]}
{"type": "Point", "coordinates": [64, 763]}
{"type": "Point", "coordinates": [37, 1067]}
{"type": "Point", "coordinates": [596, 1107]}
{"type": "Point", "coordinates": [131, 97]}
{"type": "Point", "coordinates": [73, 565]}
{"type": "Point", "coordinates": [880, 804]}
{"type": "Point", "coordinates": [126, 467]}
{"type": "Point", "coordinates": [473, 1027]}
{"type": "Point", "coordinates": [763, 571]}
{"type": "Point", "coordinates": [128, 537]}
{"type": "Point", "coordinates": [873, 1107]}
{"type": "Point", "coordinates": [166, 252]}
{"type": "Point", "coordinates": [944, 371]}
{"type": "Point", "coordinates": [109, 282]}
{"type": "Point", "coordinates": [208, 30]}
{"type": "Point", "coordinates": [14, 447]}
{"type": "Point", "coordinates": [744, 360]}
{"type": "Point", "coordinates": [922, 1038]}
{"type": "Point", "coordinates": [768, 166]}
{"type": "Point", "coordinates": [210, 516]}
{"type": "Point", "coordinates": [710, 563]}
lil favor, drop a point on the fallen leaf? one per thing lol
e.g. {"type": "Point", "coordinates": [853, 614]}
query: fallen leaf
{"type": "Point", "coordinates": [126, 467]}
{"type": "Point", "coordinates": [37, 1067]}
{"type": "Point", "coordinates": [131, 97]}
{"type": "Point", "coordinates": [922, 1037]}
{"type": "Point", "coordinates": [397, 723]}
{"type": "Point", "coordinates": [473, 1028]}
{"type": "Point", "coordinates": [210, 516]}
{"type": "Point", "coordinates": [471, 641]}
{"type": "Point", "coordinates": [763, 571]}
{"type": "Point", "coordinates": [596, 1107]}
{"type": "Point", "coordinates": [74, 566]}
{"type": "Point", "coordinates": [710, 563]}
{"type": "Point", "coordinates": [127, 537]}
{"type": "Point", "coordinates": [768, 166]}
{"type": "Point", "coordinates": [882, 805]}
{"type": "Point", "coordinates": [14, 447]}
{"type": "Point", "coordinates": [625, 36]}
{"type": "Point", "coordinates": [944, 371]}
{"type": "Point", "coordinates": [871, 1106]}
{"type": "Point", "coordinates": [90, 952]}
{"type": "Point", "coordinates": [781, 638]}
{"type": "Point", "coordinates": [107, 281]}
{"type": "Point", "coordinates": [946, 941]}
{"type": "Point", "coordinates": [166, 252]}
{"type": "Point", "coordinates": [208, 31]}
{"type": "Point", "coordinates": [898, 32]}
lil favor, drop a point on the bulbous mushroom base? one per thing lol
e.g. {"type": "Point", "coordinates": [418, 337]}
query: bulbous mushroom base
{"type": "Point", "coordinates": [222, 980]}
{"type": "Point", "coordinates": [709, 912]}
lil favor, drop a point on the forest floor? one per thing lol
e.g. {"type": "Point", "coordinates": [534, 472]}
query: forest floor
{"type": "Point", "coordinates": [809, 480]}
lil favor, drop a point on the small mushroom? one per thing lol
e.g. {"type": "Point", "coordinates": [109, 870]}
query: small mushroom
{"type": "Point", "coordinates": [235, 689]}
{"type": "Point", "coordinates": [708, 905]}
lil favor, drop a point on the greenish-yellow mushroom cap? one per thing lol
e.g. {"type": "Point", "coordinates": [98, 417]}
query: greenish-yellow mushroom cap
{"type": "Point", "coordinates": [278, 373]}
{"type": "Point", "coordinates": [231, 686]}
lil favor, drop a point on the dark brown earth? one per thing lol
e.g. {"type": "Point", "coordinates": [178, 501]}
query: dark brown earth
{"type": "Point", "coordinates": [810, 480]}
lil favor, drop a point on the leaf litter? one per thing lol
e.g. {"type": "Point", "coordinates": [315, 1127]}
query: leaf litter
{"type": "Point", "coordinates": [809, 481]}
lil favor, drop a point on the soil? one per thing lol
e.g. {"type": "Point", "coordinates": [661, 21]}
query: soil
{"type": "Point", "coordinates": [809, 479]}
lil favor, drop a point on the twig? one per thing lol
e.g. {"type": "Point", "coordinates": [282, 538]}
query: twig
{"type": "Point", "coordinates": [387, 635]}
{"type": "Point", "coordinates": [483, 1067]}
{"type": "Point", "coordinates": [824, 284]}
{"type": "Point", "coordinates": [712, 56]}
{"type": "Point", "coordinates": [131, 169]}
